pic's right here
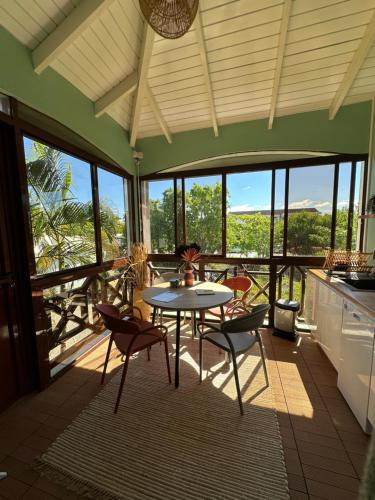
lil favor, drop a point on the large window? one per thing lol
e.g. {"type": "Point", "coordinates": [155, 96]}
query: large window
{"type": "Point", "coordinates": [249, 214]}
{"type": "Point", "coordinates": [62, 209]}
{"type": "Point", "coordinates": [310, 209]}
{"type": "Point", "coordinates": [279, 211]}
{"type": "Point", "coordinates": [60, 195]}
{"type": "Point", "coordinates": [158, 216]}
{"type": "Point", "coordinates": [203, 202]}
{"type": "Point", "coordinates": [113, 214]}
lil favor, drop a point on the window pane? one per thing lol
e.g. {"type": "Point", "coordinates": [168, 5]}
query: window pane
{"type": "Point", "coordinates": [310, 209]}
{"type": "Point", "coordinates": [357, 204]}
{"type": "Point", "coordinates": [249, 214]}
{"type": "Point", "coordinates": [278, 238]}
{"type": "Point", "coordinates": [61, 205]}
{"type": "Point", "coordinates": [158, 216]}
{"type": "Point", "coordinates": [203, 200]}
{"type": "Point", "coordinates": [343, 195]}
{"type": "Point", "coordinates": [180, 224]}
{"type": "Point", "coordinates": [113, 214]}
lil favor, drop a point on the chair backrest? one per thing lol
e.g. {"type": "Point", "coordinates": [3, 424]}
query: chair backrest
{"type": "Point", "coordinates": [165, 277]}
{"type": "Point", "coordinates": [247, 322]}
{"type": "Point", "coordinates": [241, 283]}
{"type": "Point", "coordinates": [112, 320]}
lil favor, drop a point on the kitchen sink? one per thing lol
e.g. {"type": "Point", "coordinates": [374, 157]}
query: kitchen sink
{"type": "Point", "coordinates": [361, 284]}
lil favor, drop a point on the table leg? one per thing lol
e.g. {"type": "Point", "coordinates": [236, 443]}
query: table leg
{"type": "Point", "coordinates": [177, 367]}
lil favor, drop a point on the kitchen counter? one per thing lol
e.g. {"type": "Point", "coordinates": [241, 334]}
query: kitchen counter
{"type": "Point", "coordinates": [363, 300]}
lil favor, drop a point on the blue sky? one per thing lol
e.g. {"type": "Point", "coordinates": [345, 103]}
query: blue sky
{"type": "Point", "coordinates": [110, 185]}
{"type": "Point", "coordinates": [308, 187]}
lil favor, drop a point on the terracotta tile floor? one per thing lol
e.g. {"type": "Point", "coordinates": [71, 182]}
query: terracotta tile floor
{"type": "Point", "coordinates": [324, 445]}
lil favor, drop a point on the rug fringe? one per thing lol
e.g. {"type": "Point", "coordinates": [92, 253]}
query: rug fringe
{"type": "Point", "coordinates": [71, 482]}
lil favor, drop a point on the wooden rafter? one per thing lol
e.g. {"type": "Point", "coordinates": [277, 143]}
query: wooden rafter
{"type": "Point", "coordinates": [356, 63]}
{"type": "Point", "coordinates": [206, 72]}
{"type": "Point", "coordinates": [280, 58]}
{"type": "Point", "coordinates": [144, 62]}
{"type": "Point", "coordinates": [158, 115]}
{"type": "Point", "coordinates": [121, 90]}
{"type": "Point", "coordinates": [67, 32]}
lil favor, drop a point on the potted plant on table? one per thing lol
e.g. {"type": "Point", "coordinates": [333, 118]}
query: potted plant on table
{"type": "Point", "coordinates": [189, 254]}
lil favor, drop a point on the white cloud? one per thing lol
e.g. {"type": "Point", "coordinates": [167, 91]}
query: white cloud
{"type": "Point", "coordinates": [246, 188]}
{"type": "Point", "coordinates": [342, 204]}
{"type": "Point", "coordinates": [322, 206]}
{"type": "Point", "coordinates": [248, 208]}
{"type": "Point", "coordinates": [241, 208]}
{"type": "Point", "coordinates": [301, 204]}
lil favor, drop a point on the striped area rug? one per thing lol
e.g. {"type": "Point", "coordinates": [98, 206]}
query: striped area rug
{"type": "Point", "coordinates": [186, 444]}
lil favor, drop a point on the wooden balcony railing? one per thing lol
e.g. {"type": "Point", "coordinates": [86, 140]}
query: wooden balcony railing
{"type": "Point", "coordinates": [65, 316]}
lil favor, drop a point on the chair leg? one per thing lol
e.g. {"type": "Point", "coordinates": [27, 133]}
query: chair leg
{"type": "Point", "coordinates": [261, 348]}
{"type": "Point", "coordinates": [148, 353]}
{"type": "Point", "coordinates": [167, 359]}
{"type": "Point", "coordinates": [106, 359]}
{"type": "Point", "coordinates": [235, 370]}
{"type": "Point", "coordinates": [200, 358]}
{"type": "Point", "coordinates": [124, 372]}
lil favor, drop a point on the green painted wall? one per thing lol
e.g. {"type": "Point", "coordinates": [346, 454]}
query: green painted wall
{"type": "Point", "coordinates": [347, 133]}
{"type": "Point", "coordinates": [54, 96]}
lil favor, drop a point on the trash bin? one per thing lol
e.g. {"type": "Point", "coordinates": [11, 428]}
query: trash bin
{"type": "Point", "coordinates": [285, 318]}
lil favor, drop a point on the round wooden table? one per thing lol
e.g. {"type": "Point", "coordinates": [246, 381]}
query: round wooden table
{"type": "Point", "coordinates": [187, 300]}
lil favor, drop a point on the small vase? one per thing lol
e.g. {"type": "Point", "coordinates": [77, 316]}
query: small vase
{"type": "Point", "coordinates": [189, 276]}
{"type": "Point", "coordinates": [141, 304]}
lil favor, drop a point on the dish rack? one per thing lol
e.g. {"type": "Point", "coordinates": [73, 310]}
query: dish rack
{"type": "Point", "coordinates": [347, 260]}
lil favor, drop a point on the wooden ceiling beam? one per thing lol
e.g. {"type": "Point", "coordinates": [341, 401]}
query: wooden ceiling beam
{"type": "Point", "coordinates": [355, 65]}
{"type": "Point", "coordinates": [121, 90]}
{"type": "Point", "coordinates": [158, 115]}
{"type": "Point", "coordinates": [67, 32]}
{"type": "Point", "coordinates": [143, 65]}
{"type": "Point", "coordinates": [206, 71]}
{"type": "Point", "coordinates": [280, 59]}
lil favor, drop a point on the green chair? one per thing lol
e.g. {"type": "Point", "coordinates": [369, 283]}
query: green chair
{"type": "Point", "coordinates": [235, 336]}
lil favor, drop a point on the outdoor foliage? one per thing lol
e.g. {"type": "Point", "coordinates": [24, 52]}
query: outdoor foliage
{"type": "Point", "coordinates": [62, 226]}
{"type": "Point", "coordinates": [309, 233]}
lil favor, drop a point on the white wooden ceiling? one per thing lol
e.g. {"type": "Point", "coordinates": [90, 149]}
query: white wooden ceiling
{"type": "Point", "coordinates": [241, 60]}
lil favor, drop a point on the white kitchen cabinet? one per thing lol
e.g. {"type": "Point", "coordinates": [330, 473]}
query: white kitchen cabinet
{"type": "Point", "coordinates": [329, 313]}
{"type": "Point", "coordinates": [357, 343]}
{"type": "Point", "coordinates": [371, 400]}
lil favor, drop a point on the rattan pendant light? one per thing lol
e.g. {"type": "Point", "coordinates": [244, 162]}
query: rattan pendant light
{"type": "Point", "coordinates": [169, 18]}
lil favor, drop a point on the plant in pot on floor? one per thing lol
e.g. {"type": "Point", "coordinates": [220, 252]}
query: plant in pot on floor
{"type": "Point", "coordinates": [189, 254]}
{"type": "Point", "coordinates": [137, 276]}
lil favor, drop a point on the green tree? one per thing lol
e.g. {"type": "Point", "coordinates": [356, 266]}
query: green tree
{"type": "Point", "coordinates": [308, 233]}
{"type": "Point", "coordinates": [63, 228]}
{"type": "Point", "coordinates": [248, 235]}
{"type": "Point", "coordinates": [162, 223]}
{"type": "Point", "coordinates": [204, 217]}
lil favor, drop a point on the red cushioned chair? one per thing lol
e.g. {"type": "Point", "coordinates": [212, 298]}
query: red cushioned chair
{"type": "Point", "coordinates": [130, 335]}
{"type": "Point", "coordinates": [237, 306]}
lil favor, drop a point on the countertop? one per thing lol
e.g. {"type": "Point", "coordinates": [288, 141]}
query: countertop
{"type": "Point", "coordinates": [363, 300]}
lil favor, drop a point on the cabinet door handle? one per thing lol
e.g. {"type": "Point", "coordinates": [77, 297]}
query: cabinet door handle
{"type": "Point", "coordinates": [357, 316]}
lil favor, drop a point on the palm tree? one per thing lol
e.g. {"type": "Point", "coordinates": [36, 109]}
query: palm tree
{"type": "Point", "coordinates": [63, 227]}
